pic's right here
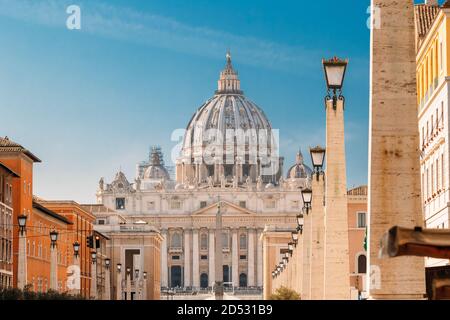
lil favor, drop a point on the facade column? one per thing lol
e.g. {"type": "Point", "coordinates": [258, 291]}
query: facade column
{"type": "Point", "coordinates": [259, 259]}
{"type": "Point", "coordinates": [195, 260]}
{"type": "Point", "coordinates": [164, 268]}
{"type": "Point", "coordinates": [53, 267]}
{"type": "Point", "coordinates": [211, 258]}
{"type": "Point", "coordinates": [235, 258]}
{"type": "Point", "coordinates": [251, 258]}
{"type": "Point", "coordinates": [306, 240]}
{"type": "Point", "coordinates": [22, 262]}
{"type": "Point", "coordinates": [317, 214]}
{"type": "Point", "coordinates": [394, 168]}
{"type": "Point", "coordinates": [187, 258]}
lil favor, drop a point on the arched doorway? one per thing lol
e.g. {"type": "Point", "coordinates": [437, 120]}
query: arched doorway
{"type": "Point", "coordinates": [243, 280]}
{"type": "Point", "coordinates": [175, 276]}
{"type": "Point", "coordinates": [362, 264]}
{"type": "Point", "coordinates": [204, 281]}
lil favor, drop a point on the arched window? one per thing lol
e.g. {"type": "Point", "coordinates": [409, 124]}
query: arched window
{"type": "Point", "coordinates": [243, 280]}
{"type": "Point", "coordinates": [362, 263]}
{"type": "Point", "coordinates": [204, 241]}
{"type": "Point", "coordinates": [204, 280]}
{"type": "Point", "coordinates": [243, 241]}
{"type": "Point", "coordinates": [176, 240]}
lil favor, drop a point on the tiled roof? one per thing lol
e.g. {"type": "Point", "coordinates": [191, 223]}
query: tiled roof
{"type": "Point", "coordinates": [424, 17]}
{"type": "Point", "coordinates": [7, 145]}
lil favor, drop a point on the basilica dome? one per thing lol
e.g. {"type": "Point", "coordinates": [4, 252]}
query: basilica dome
{"type": "Point", "coordinates": [227, 109]}
{"type": "Point", "coordinates": [299, 170]}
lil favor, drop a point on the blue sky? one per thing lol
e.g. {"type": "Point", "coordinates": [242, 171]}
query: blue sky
{"type": "Point", "coordinates": [91, 101]}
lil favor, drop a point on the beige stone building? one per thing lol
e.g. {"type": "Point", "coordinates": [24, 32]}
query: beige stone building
{"type": "Point", "coordinates": [244, 174]}
{"type": "Point", "coordinates": [433, 87]}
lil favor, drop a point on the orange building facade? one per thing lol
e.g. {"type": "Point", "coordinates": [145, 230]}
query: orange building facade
{"type": "Point", "coordinates": [21, 161]}
{"type": "Point", "coordinates": [82, 226]}
{"type": "Point", "coordinates": [6, 226]}
{"type": "Point", "coordinates": [41, 222]}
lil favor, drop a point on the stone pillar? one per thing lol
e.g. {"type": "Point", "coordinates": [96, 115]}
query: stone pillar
{"type": "Point", "coordinates": [259, 259]}
{"type": "Point", "coordinates": [164, 268]}
{"type": "Point", "coordinates": [94, 294]}
{"type": "Point", "coordinates": [119, 286]}
{"type": "Point", "coordinates": [195, 260]}
{"type": "Point", "coordinates": [128, 286]}
{"type": "Point", "coordinates": [211, 258]}
{"type": "Point", "coordinates": [54, 268]}
{"type": "Point", "coordinates": [394, 170]}
{"type": "Point", "coordinates": [317, 245]}
{"type": "Point", "coordinates": [235, 258]}
{"type": "Point", "coordinates": [22, 262]}
{"type": "Point", "coordinates": [187, 258]}
{"type": "Point", "coordinates": [107, 293]}
{"type": "Point", "coordinates": [251, 258]}
{"type": "Point", "coordinates": [299, 263]}
{"type": "Point", "coordinates": [336, 254]}
{"type": "Point", "coordinates": [306, 240]}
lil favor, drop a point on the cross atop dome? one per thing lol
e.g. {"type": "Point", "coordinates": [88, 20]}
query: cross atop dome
{"type": "Point", "coordinates": [229, 81]}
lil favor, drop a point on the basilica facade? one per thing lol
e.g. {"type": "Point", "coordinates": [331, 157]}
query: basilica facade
{"type": "Point", "coordinates": [228, 158]}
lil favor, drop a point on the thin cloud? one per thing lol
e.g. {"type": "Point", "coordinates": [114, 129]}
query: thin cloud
{"type": "Point", "coordinates": [148, 29]}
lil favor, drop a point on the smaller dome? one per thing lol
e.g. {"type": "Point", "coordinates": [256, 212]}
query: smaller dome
{"type": "Point", "coordinates": [156, 173]}
{"type": "Point", "coordinates": [300, 170]}
{"type": "Point", "coordinates": [179, 186]}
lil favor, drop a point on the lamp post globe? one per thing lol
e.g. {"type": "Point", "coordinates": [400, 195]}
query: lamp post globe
{"type": "Point", "coordinates": [119, 267]}
{"type": "Point", "coordinates": [334, 70]}
{"type": "Point", "coordinates": [76, 248]}
{"type": "Point", "coordinates": [53, 237]}
{"type": "Point", "coordinates": [307, 197]}
{"type": "Point", "coordinates": [22, 220]}
{"type": "Point", "coordinates": [107, 263]}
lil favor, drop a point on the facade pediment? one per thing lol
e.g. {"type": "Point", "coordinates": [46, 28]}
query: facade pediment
{"type": "Point", "coordinates": [226, 208]}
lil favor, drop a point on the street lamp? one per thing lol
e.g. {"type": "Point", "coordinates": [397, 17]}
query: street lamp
{"type": "Point", "coordinates": [136, 273]}
{"type": "Point", "coordinates": [53, 237]}
{"type": "Point", "coordinates": [76, 248]}
{"type": "Point", "coordinates": [300, 229]}
{"type": "Point", "coordinates": [334, 74]}
{"type": "Point", "coordinates": [294, 235]}
{"type": "Point", "coordinates": [107, 263]}
{"type": "Point", "coordinates": [307, 196]}
{"type": "Point", "coordinates": [317, 158]}
{"type": "Point", "coordinates": [291, 248]}
{"type": "Point", "coordinates": [145, 275]}
{"type": "Point", "coordinates": [128, 271]}
{"type": "Point", "coordinates": [94, 256]}
{"type": "Point", "coordinates": [22, 219]}
{"type": "Point", "coordinates": [119, 267]}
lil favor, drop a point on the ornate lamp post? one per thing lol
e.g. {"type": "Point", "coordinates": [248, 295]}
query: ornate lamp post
{"type": "Point", "coordinates": [107, 279]}
{"type": "Point", "coordinates": [76, 262]}
{"type": "Point", "coordinates": [137, 284]}
{"type": "Point", "coordinates": [94, 293]}
{"type": "Point", "coordinates": [334, 74]}
{"type": "Point", "coordinates": [317, 159]}
{"type": "Point", "coordinates": [144, 292]}
{"type": "Point", "coordinates": [128, 275]}
{"type": "Point", "coordinates": [53, 261]}
{"type": "Point", "coordinates": [22, 262]}
{"type": "Point", "coordinates": [119, 282]}
{"type": "Point", "coordinates": [307, 196]}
